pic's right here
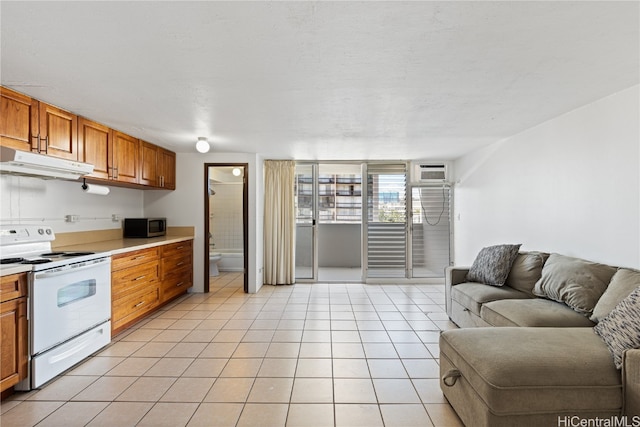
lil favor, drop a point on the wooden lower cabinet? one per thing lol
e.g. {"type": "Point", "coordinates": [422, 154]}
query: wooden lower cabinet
{"type": "Point", "coordinates": [135, 286]}
{"type": "Point", "coordinates": [176, 269]}
{"type": "Point", "coordinates": [14, 355]}
{"type": "Point", "coordinates": [143, 280]}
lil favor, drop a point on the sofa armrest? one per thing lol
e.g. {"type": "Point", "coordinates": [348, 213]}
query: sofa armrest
{"type": "Point", "coordinates": [631, 382]}
{"type": "Point", "coordinates": [453, 275]}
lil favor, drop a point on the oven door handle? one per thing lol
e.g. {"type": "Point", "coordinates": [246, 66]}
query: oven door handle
{"type": "Point", "coordinates": [67, 270]}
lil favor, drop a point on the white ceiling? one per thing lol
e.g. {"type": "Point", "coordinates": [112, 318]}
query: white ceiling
{"type": "Point", "coordinates": [321, 80]}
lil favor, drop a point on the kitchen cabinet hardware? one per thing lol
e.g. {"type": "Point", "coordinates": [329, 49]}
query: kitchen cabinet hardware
{"type": "Point", "coordinates": [139, 278]}
{"type": "Point", "coordinates": [139, 304]}
{"type": "Point", "coordinates": [46, 145]}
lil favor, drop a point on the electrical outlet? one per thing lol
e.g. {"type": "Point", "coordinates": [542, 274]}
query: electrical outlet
{"type": "Point", "coordinates": [72, 218]}
{"type": "Point", "coordinates": [115, 217]}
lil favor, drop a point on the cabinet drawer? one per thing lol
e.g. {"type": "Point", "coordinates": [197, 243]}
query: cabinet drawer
{"type": "Point", "coordinates": [176, 283]}
{"type": "Point", "coordinates": [133, 258]}
{"type": "Point", "coordinates": [130, 308]}
{"type": "Point", "coordinates": [13, 286]}
{"type": "Point", "coordinates": [175, 262]}
{"type": "Point", "coordinates": [132, 279]}
{"type": "Point", "coordinates": [177, 248]}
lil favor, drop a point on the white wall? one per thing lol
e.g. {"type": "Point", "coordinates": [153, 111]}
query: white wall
{"type": "Point", "coordinates": [185, 207]}
{"type": "Point", "coordinates": [37, 201]}
{"type": "Point", "coordinates": [570, 185]}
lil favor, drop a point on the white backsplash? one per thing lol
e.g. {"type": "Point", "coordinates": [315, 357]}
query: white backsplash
{"type": "Point", "coordinates": [28, 200]}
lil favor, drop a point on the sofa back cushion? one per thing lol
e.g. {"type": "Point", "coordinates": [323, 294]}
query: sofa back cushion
{"type": "Point", "coordinates": [492, 264]}
{"type": "Point", "coordinates": [575, 282]}
{"type": "Point", "coordinates": [526, 271]}
{"type": "Point", "coordinates": [622, 284]}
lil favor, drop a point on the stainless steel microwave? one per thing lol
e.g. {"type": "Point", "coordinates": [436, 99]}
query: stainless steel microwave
{"type": "Point", "coordinates": [145, 227]}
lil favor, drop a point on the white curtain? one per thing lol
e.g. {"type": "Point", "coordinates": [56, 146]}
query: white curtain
{"type": "Point", "coordinates": [279, 222]}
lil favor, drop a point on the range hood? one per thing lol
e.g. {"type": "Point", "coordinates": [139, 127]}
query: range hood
{"type": "Point", "coordinates": [25, 163]}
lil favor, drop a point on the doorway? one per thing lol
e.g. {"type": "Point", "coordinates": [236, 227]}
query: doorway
{"type": "Point", "coordinates": [226, 224]}
{"type": "Point", "coordinates": [328, 222]}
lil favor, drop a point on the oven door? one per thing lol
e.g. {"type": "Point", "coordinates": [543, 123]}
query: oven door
{"type": "Point", "coordinates": [69, 300]}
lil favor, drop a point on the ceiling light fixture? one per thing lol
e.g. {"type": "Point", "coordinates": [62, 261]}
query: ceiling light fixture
{"type": "Point", "coordinates": [236, 171]}
{"type": "Point", "coordinates": [202, 145]}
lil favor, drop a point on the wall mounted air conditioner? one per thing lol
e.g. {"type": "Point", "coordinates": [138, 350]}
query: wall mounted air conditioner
{"type": "Point", "coordinates": [430, 173]}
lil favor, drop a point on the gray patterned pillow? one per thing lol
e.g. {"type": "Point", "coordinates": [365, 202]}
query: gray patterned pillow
{"type": "Point", "coordinates": [493, 264]}
{"type": "Point", "coordinates": [620, 330]}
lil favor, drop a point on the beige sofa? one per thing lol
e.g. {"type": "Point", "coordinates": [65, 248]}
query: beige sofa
{"type": "Point", "coordinates": [529, 360]}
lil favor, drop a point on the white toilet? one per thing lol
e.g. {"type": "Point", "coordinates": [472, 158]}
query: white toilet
{"type": "Point", "coordinates": [214, 258]}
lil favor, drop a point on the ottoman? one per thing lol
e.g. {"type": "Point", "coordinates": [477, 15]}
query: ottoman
{"type": "Point", "coordinates": [512, 376]}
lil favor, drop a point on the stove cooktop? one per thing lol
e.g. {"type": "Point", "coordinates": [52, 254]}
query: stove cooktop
{"type": "Point", "coordinates": [43, 258]}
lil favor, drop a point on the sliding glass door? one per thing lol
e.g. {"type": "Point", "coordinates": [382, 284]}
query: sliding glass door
{"type": "Point", "coordinates": [306, 201]}
{"type": "Point", "coordinates": [430, 231]}
{"type": "Point", "coordinates": [364, 221]}
{"type": "Point", "coordinates": [386, 221]}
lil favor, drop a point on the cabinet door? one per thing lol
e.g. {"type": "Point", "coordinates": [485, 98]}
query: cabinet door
{"type": "Point", "coordinates": [58, 132]}
{"type": "Point", "coordinates": [13, 286]}
{"type": "Point", "coordinates": [94, 142]}
{"type": "Point", "coordinates": [126, 158]}
{"type": "Point", "coordinates": [13, 342]}
{"type": "Point", "coordinates": [149, 164]}
{"type": "Point", "coordinates": [167, 166]}
{"type": "Point", "coordinates": [18, 120]}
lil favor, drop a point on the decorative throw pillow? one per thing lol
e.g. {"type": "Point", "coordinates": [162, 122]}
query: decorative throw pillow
{"type": "Point", "coordinates": [622, 284]}
{"type": "Point", "coordinates": [575, 282]}
{"type": "Point", "coordinates": [526, 271]}
{"type": "Point", "coordinates": [620, 330]}
{"type": "Point", "coordinates": [492, 265]}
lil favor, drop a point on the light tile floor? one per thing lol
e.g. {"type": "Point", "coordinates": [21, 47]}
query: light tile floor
{"type": "Point", "coordinates": [301, 355]}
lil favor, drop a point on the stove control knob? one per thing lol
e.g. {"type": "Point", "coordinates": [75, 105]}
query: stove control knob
{"type": "Point", "coordinates": [40, 231]}
{"type": "Point", "coordinates": [48, 231]}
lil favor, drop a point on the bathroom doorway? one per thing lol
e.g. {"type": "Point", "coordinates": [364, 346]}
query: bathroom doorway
{"type": "Point", "coordinates": [226, 224]}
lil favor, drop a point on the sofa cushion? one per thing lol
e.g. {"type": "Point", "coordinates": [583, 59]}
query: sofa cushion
{"type": "Point", "coordinates": [620, 330]}
{"type": "Point", "coordinates": [526, 270]}
{"type": "Point", "coordinates": [575, 282]}
{"type": "Point", "coordinates": [492, 265]}
{"type": "Point", "coordinates": [519, 371]}
{"type": "Point", "coordinates": [622, 284]}
{"type": "Point", "coordinates": [537, 312]}
{"type": "Point", "coordinates": [472, 295]}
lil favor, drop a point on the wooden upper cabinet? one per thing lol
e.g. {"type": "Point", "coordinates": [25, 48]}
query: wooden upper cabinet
{"type": "Point", "coordinates": [125, 158]}
{"type": "Point", "coordinates": [18, 120]}
{"type": "Point", "coordinates": [167, 169]}
{"type": "Point", "coordinates": [94, 146]}
{"type": "Point", "coordinates": [58, 132]}
{"type": "Point", "coordinates": [149, 164]}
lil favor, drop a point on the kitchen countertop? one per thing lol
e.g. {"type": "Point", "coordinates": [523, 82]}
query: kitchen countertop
{"type": "Point", "coordinates": [120, 246]}
{"type": "Point", "coordinates": [6, 270]}
{"type": "Point", "coordinates": [114, 246]}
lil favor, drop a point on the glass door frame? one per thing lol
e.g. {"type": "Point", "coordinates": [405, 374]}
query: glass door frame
{"type": "Point", "coordinates": [313, 225]}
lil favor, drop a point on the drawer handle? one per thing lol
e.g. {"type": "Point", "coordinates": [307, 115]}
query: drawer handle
{"type": "Point", "coordinates": [180, 263]}
{"type": "Point", "coordinates": [180, 247]}
{"type": "Point", "coordinates": [138, 304]}
{"type": "Point", "coordinates": [180, 284]}
{"type": "Point", "coordinates": [449, 379]}
{"type": "Point", "coordinates": [139, 257]}
{"type": "Point", "coordinates": [139, 277]}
